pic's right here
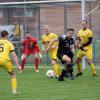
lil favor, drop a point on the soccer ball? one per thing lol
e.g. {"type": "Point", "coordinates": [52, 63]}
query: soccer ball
{"type": "Point", "coordinates": [50, 74]}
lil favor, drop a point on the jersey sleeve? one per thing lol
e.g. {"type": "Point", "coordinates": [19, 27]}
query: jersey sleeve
{"type": "Point", "coordinates": [60, 39]}
{"type": "Point", "coordinates": [90, 34]}
{"type": "Point", "coordinates": [23, 42]}
{"type": "Point", "coordinates": [54, 35]}
{"type": "Point", "coordinates": [12, 47]}
{"type": "Point", "coordinates": [42, 39]}
{"type": "Point", "coordinates": [78, 34]}
{"type": "Point", "coordinates": [34, 40]}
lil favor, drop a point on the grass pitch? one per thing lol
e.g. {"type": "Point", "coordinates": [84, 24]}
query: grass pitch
{"type": "Point", "coordinates": [36, 86]}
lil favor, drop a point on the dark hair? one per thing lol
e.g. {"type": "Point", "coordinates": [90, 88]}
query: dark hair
{"type": "Point", "coordinates": [4, 33]}
{"type": "Point", "coordinates": [27, 32]}
{"type": "Point", "coordinates": [54, 59]}
{"type": "Point", "coordinates": [85, 21]}
{"type": "Point", "coordinates": [70, 29]}
{"type": "Point", "coordinates": [78, 38]}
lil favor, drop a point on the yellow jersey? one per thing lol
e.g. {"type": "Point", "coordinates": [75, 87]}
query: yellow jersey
{"type": "Point", "coordinates": [47, 38]}
{"type": "Point", "coordinates": [5, 48]}
{"type": "Point", "coordinates": [84, 35]}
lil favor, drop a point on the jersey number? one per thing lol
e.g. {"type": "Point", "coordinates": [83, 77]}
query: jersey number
{"type": "Point", "coordinates": [1, 47]}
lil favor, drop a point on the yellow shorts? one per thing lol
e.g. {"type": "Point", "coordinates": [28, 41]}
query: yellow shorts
{"type": "Point", "coordinates": [6, 64]}
{"type": "Point", "coordinates": [87, 54]}
{"type": "Point", "coordinates": [53, 54]}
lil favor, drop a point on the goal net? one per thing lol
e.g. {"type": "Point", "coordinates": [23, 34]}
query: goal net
{"type": "Point", "coordinates": [21, 17]}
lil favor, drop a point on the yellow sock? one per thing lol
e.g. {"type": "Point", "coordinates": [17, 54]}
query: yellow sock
{"type": "Point", "coordinates": [14, 83]}
{"type": "Point", "coordinates": [93, 69]}
{"type": "Point", "coordinates": [56, 69]}
{"type": "Point", "coordinates": [79, 67]}
{"type": "Point", "coordinates": [59, 69]}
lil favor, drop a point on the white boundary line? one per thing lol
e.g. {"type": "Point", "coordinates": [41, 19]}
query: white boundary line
{"type": "Point", "coordinates": [28, 66]}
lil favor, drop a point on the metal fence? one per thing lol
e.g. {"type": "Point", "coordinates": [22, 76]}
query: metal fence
{"type": "Point", "coordinates": [18, 19]}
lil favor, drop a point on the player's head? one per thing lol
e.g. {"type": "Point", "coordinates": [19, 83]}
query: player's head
{"type": "Point", "coordinates": [46, 29]}
{"type": "Point", "coordinates": [54, 61]}
{"type": "Point", "coordinates": [70, 32]}
{"type": "Point", "coordinates": [84, 24]}
{"type": "Point", "coordinates": [4, 33]}
{"type": "Point", "coordinates": [28, 35]}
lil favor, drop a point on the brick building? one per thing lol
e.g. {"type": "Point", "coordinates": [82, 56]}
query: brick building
{"type": "Point", "coordinates": [59, 16]}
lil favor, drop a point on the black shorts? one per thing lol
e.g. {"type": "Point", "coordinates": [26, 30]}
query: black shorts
{"type": "Point", "coordinates": [60, 55]}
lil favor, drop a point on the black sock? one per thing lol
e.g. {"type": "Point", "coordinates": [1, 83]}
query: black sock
{"type": "Point", "coordinates": [63, 73]}
{"type": "Point", "coordinates": [70, 69]}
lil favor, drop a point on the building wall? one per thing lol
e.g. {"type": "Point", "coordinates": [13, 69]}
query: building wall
{"type": "Point", "coordinates": [53, 15]}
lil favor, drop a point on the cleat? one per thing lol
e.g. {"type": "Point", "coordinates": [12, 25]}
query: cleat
{"type": "Point", "coordinates": [94, 75]}
{"type": "Point", "coordinates": [67, 75]}
{"type": "Point", "coordinates": [14, 91]}
{"type": "Point", "coordinates": [57, 76]}
{"type": "Point", "coordinates": [21, 71]}
{"type": "Point", "coordinates": [72, 77]}
{"type": "Point", "coordinates": [79, 74]}
{"type": "Point", "coordinates": [36, 70]}
{"type": "Point", "coordinates": [61, 79]}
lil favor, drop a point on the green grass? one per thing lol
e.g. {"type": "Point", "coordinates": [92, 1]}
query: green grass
{"type": "Point", "coordinates": [36, 86]}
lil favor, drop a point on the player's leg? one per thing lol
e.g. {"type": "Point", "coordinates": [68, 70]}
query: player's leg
{"type": "Point", "coordinates": [36, 57]}
{"type": "Point", "coordinates": [13, 82]}
{"type": "Point", "coordinates": [89, 59]}
{"type": "Point", "coordinates": [23, 60]}
{"type": "Point", "coordinates": [70, 65]}
{"type": "Point", "coordinates": [66, 61]}
{"type": "Point", "coordinates": [8, 66]}
{"type": "Point", "coordinates": [56, 67]}
{"type": "Point", "coordinates": [92, 67]}
{"type": "Point", "coordinates": [83, 62]}
{"type": "Point", "coordinates": [79, 62]}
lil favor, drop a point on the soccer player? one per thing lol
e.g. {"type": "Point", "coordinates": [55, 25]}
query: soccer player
{"type": "Point", "coordinates": [6, 47]}
{"type": "Point", "coordinates": [30, 46]}
{"type": "Point", "coordinates": [85, 48]}
{"type": "Point", "coordinates": [65, 53]}
{"type": "Point", "coordinates": [46, 38]}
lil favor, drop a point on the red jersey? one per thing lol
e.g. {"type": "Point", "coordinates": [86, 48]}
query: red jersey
{"type": "Point", "coordinates": [29, 44]}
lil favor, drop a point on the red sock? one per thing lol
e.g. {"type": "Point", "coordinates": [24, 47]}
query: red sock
{"type": "Point", "coordinates": [36, 63]}
{"type": "Point", "coordinates": [23, 63]}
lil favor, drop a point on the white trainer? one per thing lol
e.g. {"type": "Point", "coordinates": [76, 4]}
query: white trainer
{"type": "Point", "coordinates": [37, 70]}
{"type": "Point", "coordinates": [14, 91]}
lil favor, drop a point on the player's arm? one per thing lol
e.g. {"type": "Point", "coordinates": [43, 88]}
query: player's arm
{"type": "Point", "coordinates": [73, 48]}
{"type": "Point", "coordinates": [51, 42]}
{"type": "Point", "coordinates": [55, 46]}
{"type": "Point", "coordinates": [12, 50]}
{"type": "Point", "coordinates": [35, 42]}
{"type": "Point", "coordinates": [43, 47]}
{"type": "Point", "coordinates": [88, 42]}
{"type": "Point", "coordinates": [22, 45]}
{"type": "Point", "coordinates": [15, 59]}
